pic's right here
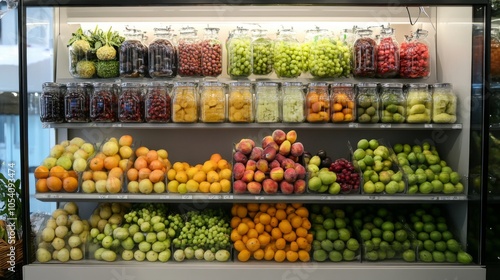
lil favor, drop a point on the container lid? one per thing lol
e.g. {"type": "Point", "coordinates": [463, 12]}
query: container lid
{"type": "Point", "coordinates": [100, 84]}
{"type": "Point", "coordinates": [72, 84]}
{"type": "Point", "coordinates": [240, 84]}
{"type": "Point", "coordinates": [440, 85]}
{"type": "Point", "coordinates": [184, 84]}
{"type": "Point", "coordinates": [51, 84]}
{"type": "Point", "coordinates": [292, 84]}
{"type": "Point", "coordinates": [342, 85]}
{"type": "Point", "coordinates": [417, 85]}
{"type": "Point", "coordinates": [212, 84]}
{"type": "Point", "coordinates": [267, 84]}
{"type": "Point", "coordinates": [392, 85]}
{"type": "Point", "coordinates": [318, 84]}
{"type": "Point", "coordinates": [369, 85]}
{"type": "Point", "coordinates": [157, 84]}
{"type": "Point", "coordinates": [129, 84]}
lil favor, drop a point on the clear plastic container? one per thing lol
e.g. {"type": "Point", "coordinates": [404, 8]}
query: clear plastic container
{"type": "Point", "coordinates": [267, 107]}
{"type": "Point", "coordinates": [162, 55]}
{"type": "Point", "coordinates": [240, 102]}
{"type": "Point", "coordinates": [189, 53]}
{"type": "Point", "coordinates": [326, 56]}
{"type": "Point", "coordinates": [444, 103]}
{"type": "Point", "coordinates": [133, 55]}
{"type": "Point", "coordinates": [419, 103]}
{"type": "Point", "coordinates": [364, 55]}
{"type": "Point", "coordinates": [130, 103]}
{"type": "Point", "coordinates": [103, 103]}
{"type": "Point", "coordinates": [157, 103]}
{"type": "Point", "coordinates": [52, 103]}
{"type": "Point", "coordinates": [293, 102]}
{"type": "Point", "coordinates": [184, 102]}
{"type": "Point", "coordinates": [367, 103]}
{"type": "Point", "coordinates": [287, 54]}
{"type": "Point", "coordinates": [317, 102]}
{"type": "Point", "coordinates": [239, 53]}
{"type": "Point", "coordinates": [211, 53]}
{"type": "Point", "coordinates": [342, 100]}
{"type": "Point", "coordinates": [212, 102]}
{"type": "Point", "coordinates": [393, 102]}
{"type": "Point", "coordinates": [76, 103]}
{"type": "Point", "coordinates": [387, 54]}
{"type": "Point", "coordinates": [262, 52]}
{"type": "Point", "coordinates": [415, 56]}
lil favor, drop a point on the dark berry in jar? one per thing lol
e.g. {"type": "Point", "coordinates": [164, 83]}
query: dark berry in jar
{"type": "Point", "coordinates": [189, 58]}
{"type": "Point", "coordinates": [76, 104]}
{"type": "Point", "coordinates": [133, 59]}
{"type": "Point", "coordinates": [52, 103]}
{"type": "Point", "coordinates": [387, 58]}
{"type": "Point", "coordinates": [364, 58]}
{"type": "Point", "coordinates": [103, 105]}
{"type": "Point", "coordinates": [130, 105]}
{"type": "Point", "coordinates": [415, 60]}
{"type": "Point", "coordinates": [162, 59]}
{"type": "Point", "coordinates": [158, 106]}
{"type": "Point", "coordinates": [211, 58]}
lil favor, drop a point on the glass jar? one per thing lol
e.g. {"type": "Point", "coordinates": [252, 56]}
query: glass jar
{"type": "Point", "coordinates": [293, 102]}
{"type": "Point", "coordinates": [414, 56]}
{"type": "Point", "coordinates": [267, 107]}
{"type": "Point", "coordinates": [240, 102]}
{"type": "Point", "coordinates": [212, 102]}
{"type": "Point", "coordinates": [162, 55]}
{"type": "Point", "coordinates": [367, 103]}
{"type": "Point", "coordinates": [130, 103]}
{"type": "Point", "coordinates": [52, 103]}
{"type": "Point", "coordinates": [287, 54]}
{"type": "Point", "coordinates": [189, 52]}
{"type": "Point", "coordinates": [103, 103]}
{"type": "Point", "coordinates": [82, 58]}
{"type": "Point", "coordinates": [325, 56]}
{"type": "Point", "coordinates": [211, 53]}
{"type": "Point", "coordinates": [364, 55]}
{"type": "Point", "coordinates": [157, 103]}
{"type": "Point", "coordinates": [419, 103]}
{"type": "Point", "coordinates": [133, 55]}
{"type": "Point", "coordinates": [262, 52]}
{"type": "Point", "coordinates": [393, 101]}
{"type": "Point", "coordinates": [444, 103]}
{"type": "Point", "coordinates": [387, 54]}
{"type": "Point", "coordinates": [347, 38]}
{"type": "Point", "coordinates": [185, 102]}
{"type": "Point", "coordinates": [239, 53]}
{"type": "Point", "coordinates": [317, 102]}
{"type": "Point", "coordinates": [495, 54]}
{"type": "Point", "coordinates": [342, 99]}
{"type": "Point", "coordinates": [306, 45]}
{"type": "Point", "coordinates": [76, 103]}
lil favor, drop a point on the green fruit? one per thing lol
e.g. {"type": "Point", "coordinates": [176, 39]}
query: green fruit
{"type": "Point", "coordinates": [359, 154]}
{"type": "Point", "coordinates": [338, 245]}
{"type": "Point", "coordinates": [438, 256]}
{"type": "Point", "coordinates": [398, 148]}
{"type": "Point", "coordinates": [423, 236]}
{"type": "Point", "coordinates": [442, 227]}
{"type": "Point", "coordinates": [401, 235]}
{"type": "Point", "coordinates": [382, 255]}
{"type": "Point", "coordinates": [393, 187]}
{"type": "Point", "coordinates": [388, 236]}
{"type": "Point", "coordinates": [340, 223]}
{"type": "Point", "coordinates": [397, 246]}
{"type": "Point", "coordinates": [435, 236]}
{"type": "Point", "coordinates": [429, 227]}
{"type": "Point", "coordinates": [320, 235]}
{"type": "Point", "coordinates": [376, 232]}
{"type": "Point", "coordinates": [425, 187]}
{"type": "Point", "coordinates": [440, 246]}
{"type": "Point", "coordinates": [447, 235]}
{"type": "Point", "coordinates": [425, 256]}
{"type": "Point", "coordinates": [320, 255]}
{"type": "Point", "coordinates": [352, 244]}
{"type": "Point", "coordinates": [316, 245]}
{"type": "Point", "coordinates": [332, 234]}
{"type": "Point", "coordinates": [373, 144]}
{"type": "Point", "coordinates": [328, 245]}
{"type": "Point", "coordinates": [464, 257]}
{"type": "Point", "coordinates": [363, 144]}
{"type": "Point", "coordinates": [348, 255]}
{"type": "Point", "coordinates": [429, 245]}
{"type": "Point", "coordinates": [368, 246]}
{"type": "Point", "coordinates": [314, 184]}
{"type": "Point", "coordinates": [450, 256]}
{"type": "Point", "coordinates": [371, 256]}
{"type": "Point", "coordinates": [365, 234]}
{"type": "Point", "coordinates": [344, 234]}
{"type": "Point", "coordinates": [453, 245]}
{"type": "Point", "coordinates": [384, 246]}
{"type": "Point", "coordinates": [335, 256]}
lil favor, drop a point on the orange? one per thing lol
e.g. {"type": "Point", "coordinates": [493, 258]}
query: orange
{"type": "Point", "coordinates": [125, 140]}
{"type": "Point", "coordinates": [71, 173]}
{"type": "Point", "coordinates": [253, 207]}
{"type": "Point", "coordinates": [41, 185]}
{"type": "Point", "coordinates": [350, 104]}
{"type": "Point", "coordinates": [253, 244]}
{"type": "Point", "coordinates": [235, 235]}
{"type": "Point", "coordinates": [276, 233]}
{"type": "Point", "coordinates": [144, 174]}
{"type": "Point", "coordinates": [280, 205]}
{"type": "Point", "coordinates": [171, 174]}
{"type": "Point", "coordinates": [54, 183]}
{"type": "Point", "coordinates": [234, 208]}
{"type": "Point", "coordinates": [185, 165]}
{"type": "Point", "coordinates": [244, 256]}
{"type": "Point", "coordinates": [151, 155]}
{"type": "Point", "coordinates": [57, 171]}
{"type": "Point", "coordinates": [208, 166]}
{"type": "Point", "coordinates": [156, 176]}
{"type": "Point", "coordinates": [304, 256]}
{"type": "Point", "coordinates": [268, 228]}
{"type": "Point", "coordinates": [258, 255]}
{"type": "Point", "coordinates": [140, 162]}
{"type": "Point", "coordinates": [289, 209]}
{"type": "Point", "coordinates": [347, 111]}
{"type": "Point", "coordinates": [301, 232]}
{"type": "Point", "coordinates": [141, 151]}
{"type": "Point", "coordinates": [292, 256]}
{"type": "Point", "coordinates": [250, 223]}
{"type": "Point", "coordinates": [252, 214]}
{"type": "Point", "coordinates": [199, 176]}
{"type": "Point", "coordinates": [212, 176]}
{"type": "Point", "coordinates": [268, 254]}
{"type": "Point", "coordinates": [242, 212]}
{"type": "Point", "coordinates": [242, 229]}
{"type": "Point", "coordinates": [223, 164]}
{"type": "Point", "coordinates": [70, 184]}
{"type": "Point", "coordinates": [306, 224]}
{"type": "Point", "coordinates": [244, 238]}
{"type": "Point", "coordinates": [338, 116]}
{"type": "Point", "coordinates": [180, 176]}
{"type": "Point", "coordinates": [256, 219]}
{"type": "Point", "coordinates": [348, 117]}
{"type": "Point", "coordinates": [259, 228]}
{"type": "Point", "coordinates": [252, 233]}
{"type": "Point", "coordinates": [296, 205]}
{"type": "Point", "coordinates": [111, 162]}
{"type": "Point", "coordinates": [302, 242]}
{"type": "Point", "coordinates": [215, 187]}
{"type": "Point", "coordinates": [116, 172]}
{"type": "Point", "coordinates": [215, 157]}
{"type": "Point", "coordinates": [309, 238]}
{"type": "Point", "coordinates": [274, 222]}
{"type": "Point", "coordinates": [263, 207]}
{"type": "Point", "coordinates": [312, 97]}
{"type": "Point", "coordinates": [285, 226]}
{"type": "Point", "coordinates": [235, 221]}
{"type": "Point", "coordinates": [96, 164]}
{"type": "Point", "coordinates": [225, 174]}
{"type": "Point", "coordinates": [245, 220]}
{"type": "Point", "coordinates": [156, 165]}
{"type": "Point", "coordinates": [87, 175]}
{"type": "Point", "coordinates": [296, 222]}
{"type": "Point", "coordinates": [132, 174]}
{"type": "Point", "coordinates": [41, 172]}
{"type": "Point", "coordinates": [280, 256]}
{"type": "Point", "coordinates": [178, 166]}
{"type": "Point", "coordinates": [280, 214]}
{"type": "Point", "coordinates": [280, 243]}
{"type": "Point", "coordinates": [294, 246]}
{"type": "Point", "coordinates": [290, 236]}
{"type": "Point", "coordinates": [271, 211]}
{"type": "Point", "coordinates": [264, 239]}
{"type": "Point", "coordinates": [239, 245]}
{"type": "Point", "coordinates": [265, 219]}
{"type": "Point", "coordinates": [290, 217]}
{"type": "Point", "coordinates": [303, 212]}
{"type": "Point", "coordinates": [337, 107]}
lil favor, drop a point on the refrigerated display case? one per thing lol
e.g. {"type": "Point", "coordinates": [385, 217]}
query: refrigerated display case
{"type": "Point", "coordinates": [456, 51]}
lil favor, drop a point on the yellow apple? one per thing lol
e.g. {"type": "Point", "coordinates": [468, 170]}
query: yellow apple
{"type": "Point", "coordinates": [100, 186]}
{"type": "Point", "coordinates": [145, 186]}
{"type": "Point", "coordinates": [77, 141]}
{"type": "Point", "coordinates": [110, 148]}
{"type": "Point", "coordinates": [79, 165]}
{"type": "Point", "coordinates": [88, 186]}
{"type": "Point", "coordinates": [81, 154]}
{"type": "Point", "coordinates": [72, 148]}
{"type": "Point", "coordinates": [113, 185]}
{"type": "Point", "coordinates": [159, 187]}
{"type": "Point", "coordinates": [57, 151]}
{"type": "Point", "coordinates": [126, 152]}
{"type": "Point", "coordinates": [133, 187]}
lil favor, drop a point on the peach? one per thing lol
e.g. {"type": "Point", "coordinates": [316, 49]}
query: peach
{"type": "Point", "coordinates": [266, 141]}
{"type": "Point", "coordinates": [278, 136]}
{"type": "Point", "coordinates": [285, 148]}
{"type": "Point", "coordinates": [297, 149]}
{"type": "Point", "coordinates": [238, 170]}
{"type": "Point", "coordinates": [256, 153]}
{"type": "Point", "coordinates": [299, 186]}
{"type": "Point", "coordinates": [280, 158]}
{"type": "Point", "coordinates": [294, 158]}
{"type": "Point", "coordinates": [290, 175]}
{"type": "Point", "coordinates": [274, 145]}
{"type": "Point", "coordinates": [259, 176]}
{"type": "Point", "coordinates": [274, 164]}
{"type": "Point", "coordinates": [240, 157]}
{"type": "Point", "coordinates": [144, 173]}
{"type": "Point", "coordinates": [286, 187]}
{"type": "Point", "coordinates": [254, 187]}
{"type": "Point", "coordinates": [126, 140]}
{"type": "Point", "coordinates": [262, 165]}
{"type": "Point", "coordinates": [277, 174]}
{"type": "Point", "coordinates": [269, 153]}
{"type": "Point", "coordinates": [247, 176]}
{"type": "Point", "coordinates": [300, 170]}
{"type": "Point", "coordinates": [288, 163]}
{"type": "Point", "coordinates": [113, 185]}
{"type": "Point", "coordinates": [156, 176]}
{"type": "Point", "coordinates": [245, 146]}
{"type": "Point", "coordinates": [251, 165]}
{"type": "Point", "coordinates": [239, 186]}
{"type": "Point", "coordinates": [270, 186]}
{"type": "Point", "coordinates": [291, 136]}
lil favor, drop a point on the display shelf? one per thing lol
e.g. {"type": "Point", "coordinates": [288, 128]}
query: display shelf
{"type": "Point", "coordinates": [237, 198]}
{"type": "Point", "coordinates": [404, 126]}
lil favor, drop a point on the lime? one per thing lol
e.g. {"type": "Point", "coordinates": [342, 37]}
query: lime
{"type": "Point", "coordinates": [371, 256]}
{"type": "Point", "coordinates": [319, 255]}
{"type": "Point", "coordinates": [329, 224]}
{"type": "Point", "coordinates": [425, 256]}
{"type": "Point", "coordinates": [397, 246]}
{"type": "Point", "coordinates": [357, 223]}
{"type": "Point", "coordinates": [316, 245]}
{"type": "Point", "coordinates": [344, 234]}
{"type": "Point", "coordinates": [340, 223]}
{"type": "Point", "coordinates": [426, 218]}
{"type": "Point", "coordinates": [363, 144]}
{"type": "Point", "coordinates": [376, 242]}
{"type": "Point", "coordinates": [333, 234]}
{"type": "Point", "coordinates": [352, 244]}
{"type": "Point", "coordinates": [416, 244]}
{"type": "Point", "coordinates": [327, 245]}
{"type": "Point", "coordinates": [429, 245]}
{"type": "Point", "coordinates": [406, 148]}
{"type": "Point", "coordinates": [320, 235]}
{"type": "Point", "coordinates": [378, 221]}
{"type": "Point", "coordinates": [440, 246]}
{"type": "Point", "coordinates": [390, 253]}
{"type": "Point", "coordinates": [316, 209]}
{"type": "Point", "coordinates": [369, 226]}
{"type": "Point", "coordinates": [369, 246]}
{"type": "Point", "coordinates": [365, 234]}
{"type": "Point", "coordinates": [438, 256]}
{"type": "Point", "coordinates": [376, 232]}
{"type": "Point", "coordinates": [373, 144]}
{"type": "Point", "coordinates": [406, 244]}
{"type": "Point", "coordinates": [435, 236]}
{"type": "Point", "coordinates": [453, 245]}
{"type": "Point", "coordinates": [384, 246]}
{"type": "Point", "coordinates": [387, 226]}
{"type": "Point", "coordinates": [398, 225]}
{"type": "Point", "coordinates": [429, 227]}
{"type": "Point", "coordinates": [338, 245]}
{"type": "Point", "coordinates": [423, 236]}
{"type": "Point", "coordinates": [447, 235]}
{"type": "Point", "coordinates": [442, 227]}
{"type": "Point", "coordinates": [409, 255]}
{"type": "Point", "coordinates": [450, 256]}
{"type": "Point", "coordinates": [398, 148]}
{"type": "Point", "coordinates": [401, 235]}
{"type": "Point", "coordinates": [388, 236]}
{"type": "Point", "coordinates": [464, 257]}
{"type": "Point", "coordinates": [335, 256]}
{"type": "Point", "coordinates": [349, 255]}
{"type": "Point", "coordinates": [382, 255]}
{"type": "Point", "coordinates": [318, 219]}
{"type": "Point", "coordinates": [418, 226]}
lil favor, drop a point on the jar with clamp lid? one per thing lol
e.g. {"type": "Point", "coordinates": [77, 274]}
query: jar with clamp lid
{"type": "Point", "coordinates": [185, 102]}
{"type": "Point", "coordinates": [262, 52]}
{"type": "Point", "coordinates": [367, 103]}
{"type": "Point", "coordinates": [103, 103]}
{"type": "Point", "coordinates": [267, 107]}
{"type": "Point", "coordinates": [326, 55]}
{"type": "Point", "coordinates": [212, 102]}
{"type": "Point", "coordinates": [239, 53]}
{"type": "Point", "coordinates": [130, 103]}
{"type": "Point", "coordinates": [364, 55]}
{"type": "Point", "coordinates": [162, 54]}
{"type": "Point", "coordinates": [387, 54]}
{"type": "Point", "coordinates": [419, 103]}
{"type": "Point", "coordinates": [133, 55]}
{"type": "Point", "coordinates": [211, 53]}
{"type": "Point", "coordinates": [393, 100]}
{"type": "Point", "coordinates": [240, 102]}
{"type": "Point", "coordinates": [76, 102]}
{"type": "Point", "coordinates": [52, 103]}
{"type": "Point", "coordinates": [414, 56]}
{"type": "Point", "coordinates": [317, 102]}
{"type": "Point", "coordinates": [287, 55]}
{"type": "Point", "coordinates": [293, 102]}
{"type": "Point", "coordinates": [189, 53]}
{"type": "Point", "coordinates": [342, 100]}
{"type": "Point", "coordinates": [157, 103]}
{"type": "Point", "coordinates": [444, 103]}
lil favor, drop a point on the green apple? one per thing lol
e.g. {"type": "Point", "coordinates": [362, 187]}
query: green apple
{"type": "Point", "coordinates": [64, 162]}
{"type": "Point", "coordinates": [314, 183]}
{"type": "Point", "coordinates": [49, 162]}
{"type": "Point", "coordinates": [80, 153]}
{"type": "Point", "coordinates": [127, 255]}
{"type": "Point", "coordinates": [373, 144]}
{"type": "Point", "coordinates": [79, 165]}
{"type": "Point", "coordinates": [327, 177]}
{"type": "Point", "coordinates": [77, 141]}
{"type": "Point", "coordinates": [316, 160]}
{"type": "Point", "coordinates": [334, 188]}
{"type": "Point", "coordinates": [363, 144]}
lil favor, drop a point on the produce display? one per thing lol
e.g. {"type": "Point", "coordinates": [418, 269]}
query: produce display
{"type": "Point", "coordinates": [147, 175]}
{"type": "Point", "coordinates": [364, 55]}
{"type": "Point", "coordinates": [64, 236]}
{"type": "Point", "coordinates": [185, 103]}
{"type": "Point", "coordinates": [240, 102]}
{"type": "Point", "coordinates": [189, 54]}
{"type": "Point", "coordinates": [239, 52]}
{"type": "Point", "coordinates": [287, 54]}
{"type": "Point", "coordinates": [76, 102]}
{"type": "Point", "coordinates": [58, 171]}
{"type": "Point", "coordinates": [104, 103]}
{"type": "Point", "coordinates": [393, 101]}
{"type": "Point", "coordinates": [133, 55]}
{"type": "Point", "coordinates": [367, 103]}
{"type": "Point", "coordinates": [342, 102]}
{"type": "Point", "coordinates": [213, 176]}
{"type": "Point", "coordinates": [212, 102]}
{"type": "Point", "coordinates": [274, 167]}
{"type": "Point", "coordinates": [426, 171]}
{"type": "Point", "coordinates": [419, 104]}
{"type": "Point", "coordinates": [444, 104]}
{"type": "Point", "coordinates": [162, 55]}
{"type": "Point", "coordinates": [267, 107]}
{"type": "Point", "coordinates": [318, 103]}
{"type": "Point", "coordinates": [380, 173]}
{"type": "Point", "coordinates": [278, 232]}
{"type": "Point", "coordinates": [387, 55]}
{"type": "Point", "coordinates": [131, 103]}
{"type": "Point", "coordinates": [293, 102]}
{"type": "Point", "coordinates": [414, 57]}
{"type": "Point", "coordinates": [52, 103]}
{"type": "Point", "coordinates": [211, 53]}
{"type": "Point", "coordinates": [333, 235]}
{"type": "Point", "coordinates": [157, 103]}
{"type": "Point", "coordinates": [262, 53]}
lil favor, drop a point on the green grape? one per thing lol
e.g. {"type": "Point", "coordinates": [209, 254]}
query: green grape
{"type": "Point", "coordinates": [239, 57]}
{"type": "Point", "coordinates": [262, 56]}
{"type": "Point", "coordinates": [287, 59]}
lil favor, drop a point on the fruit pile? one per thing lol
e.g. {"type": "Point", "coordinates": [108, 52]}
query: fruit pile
{"type": "Point", "coordinates": [108, 165]}
{"type": "Point", "coordinates": [201, 235]}
{"type": "Point", "coordinates": [435, 241]}
{"type": "Point", "coordinates": [379, 175]}
{"type": "Point", "coordinates": [271, 168]}
{"type": "Point", "coordinates": [321, 178]}
{"type": "Point", "coordinates": [268, 232]}
{"type": "Point", "coordinates": [58, 171]}
{"type": "Point", "coordinates": [148, 172]}
{"type": "Point", "coordinates": [213, 176]}
{"type": "Point", "coordinates": [64, 236]}
{"type": "Point", "coordinates": [425, 171]}
{"type": "Point", "coordinates": [333, 237]}
{"type": "Point", "coordinates": [347, 176]}
{"type": "Point", "coordinates": [383, 236]}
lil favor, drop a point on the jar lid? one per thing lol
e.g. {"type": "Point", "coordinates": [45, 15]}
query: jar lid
{"type": "Point", "coordinates": [157, 84]}
{"type": "Point", "coordinates": [212, 84]}
{"type": "Point", "coordinates": [240, 84]}
{"type": "Point", "coordinates": [100, 84]}
{"type": "Point", "coordinates": [292, 84]}
{"type": "Point", "coordinates": [51, 84]}
{"type": "Point", "coordinates": [72, 84]}
{"type": "Point", "coordinates": [440, 85]}
{"type": "Point", "coordinates": [129, 84]}
{"type": "Point", "coordinates": [417, 85]}
{"type": "Point", "coordinates": [392, 85]}
{"type": "Point", "coordinates": [342, 85]}
{"type": "Point", "coordinates": [369, 85]}
{"type": "Point", "coordinates": [267, 84]}
{"type": "Point", "coordinates": [318, 84]}
{"type": "Point", "coordinates": [184, 84]}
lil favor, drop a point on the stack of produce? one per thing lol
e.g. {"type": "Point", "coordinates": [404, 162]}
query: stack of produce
{"type": "Point", "coordinates": [268, 232]}
{"type": "Point", "coordinates": [148, 173]}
